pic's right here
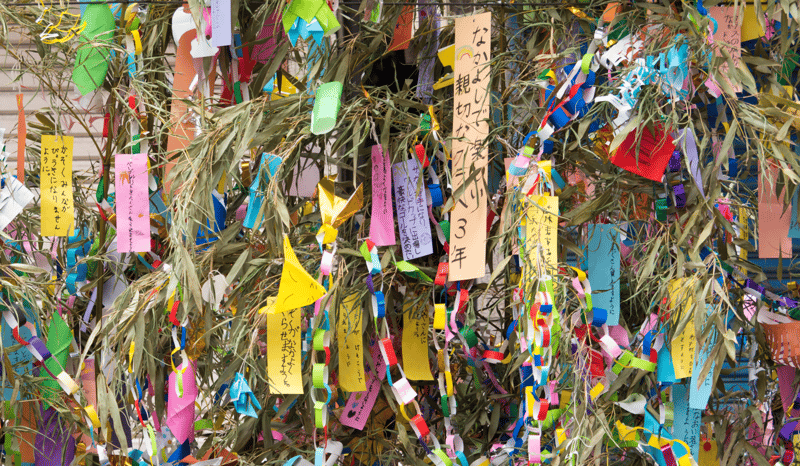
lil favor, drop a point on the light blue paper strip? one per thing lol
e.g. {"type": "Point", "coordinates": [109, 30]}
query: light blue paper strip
{"type": "Point", "coordinates": [603, 265]}
{"type": "Point", "coordinates": [687, 422]}
{"type": "Point", "coordinates": [665, 371]}
{"type": "Point", "coordinates": [794, 227]}
{"type": "Point", "coordinates": [698, 397]}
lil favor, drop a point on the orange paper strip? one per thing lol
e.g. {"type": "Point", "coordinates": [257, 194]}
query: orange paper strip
{"type": "Point", "coordinates": [470, 129]}
{"type": "Point", "coordinates": [22, 133]}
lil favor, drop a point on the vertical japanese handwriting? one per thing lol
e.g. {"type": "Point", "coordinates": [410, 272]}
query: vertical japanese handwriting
{"type": "Point", "coordinates": [470, 153]}
{"type": "Point", "coordinates": [56, 185]}
{"type": "Point", "coordinates": [412, 212]}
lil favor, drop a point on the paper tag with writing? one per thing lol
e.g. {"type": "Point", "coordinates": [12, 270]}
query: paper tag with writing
{"type": "Point", "coordinates": [58, 212]}
{"type": "Point", "coordinates": [284, 367]}
{"type": "Point", "coordinates": [132, 206]}
{"type": "Point", "coordinates": [220, 23]}
{"type": "Point", "coordinates": [687, 421]}
{"type": "Point", "coordinates": [416, 324]}
{"type": "Point", "coordinates": [359, 406]}
{"type": "Point", "coordinates": [683, 345]}
{"type": "Point", "coordinates": [541, 234]}
{"type": "Point", "coordinates": [412, 211]}
{"type": "Point", "coordinates": [381, 227]}
{"type": "Point", "coordinates": [470, 129]}
{"type": "Point", "coordinates": [698, 396]}
{"type": "Point", "coordinates": [351, 340]}
{"type": "Point", "coordinates": [603, 264]}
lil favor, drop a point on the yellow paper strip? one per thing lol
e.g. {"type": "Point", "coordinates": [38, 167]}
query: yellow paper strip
{"type": "Point", "coordinates": [415, 341]}
{"type": "Point", "coordinates": [283, 353]}
{"type": "Point", "coordinates": [351, 349]}
{"type": "Point", "coordinates": [470, 130]}
{"type": "Point", "coordinates": [541, 229]}
{"type": "Point", "coordinates": [56, 185]}
{"type": "Point", "coordinates": [683, 345]}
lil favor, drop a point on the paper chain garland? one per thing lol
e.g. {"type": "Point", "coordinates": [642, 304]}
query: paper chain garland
{"type": "Point", "coordinates": [537, 403]}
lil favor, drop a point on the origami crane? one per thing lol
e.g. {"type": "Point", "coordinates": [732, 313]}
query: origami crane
{"type": "Point", "coordinates": [242, 396]}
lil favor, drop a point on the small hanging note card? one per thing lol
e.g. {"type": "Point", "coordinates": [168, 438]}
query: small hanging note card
{"type": "Point", "coordinates": [220, 23]}
{"type": "Point", "coordinates": [412, 212]}
{"type": "Point", "coordinates": [132, 206]}
{"type": "Point", "coordinates": [351, 347]}
{"type": "Point", "coordinates": [541, 234]}
{"type": "Point", "coordinates": [56, 185]}
{"type": "Point", "coordinates": [700, 389]}
{"type": "Point", "coordinates": [416, 324]}
{"type": "Point", "coordinates": [470, 130]}
{"type": "Point", "coordinates": [683, 345]}
{"type": "Point", "coordinates": [381, 227]}
{"type": "Point", "coordinates": [283, 352]}
{"type": "Point", "coordinates": [603, 263]}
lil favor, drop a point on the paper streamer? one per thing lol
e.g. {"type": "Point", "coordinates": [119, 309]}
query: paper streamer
{"type": "Point", "coordinates": [687, 420]}
{"type": "Point", "coordinates": [467, 255]}
{"type": "Point", "coordinates": [132, 206]}
{"type": "Point", "coordinates": [699, 393]}
{"type": "Point", "coordinates": [541, 234]}
{"type": "Point", "coordinates": [416, 323]}
{"type": "Point", "coordinates": [403, 29]}
{"type": "Point", "coordinates": [381, 227]}
{"type": "Point", "coordinates": [359, 406]}
{"type": "Point", "coordinates": [350, 340]}
{"type": "Point", "coordinates": [59, 339]}
{"type": "Point", "coordinates": [284, 367]}
{"type": "Point", "coordinates": [22, 134]}
{"type": "Point", "coordinates": [683, 345]}
{"type": "Point", "coordinates": [603, 266]}
{"type": "Point", "coordinates": [54, 445]}
{"type": "Point", "coordinates": [220, 23]}
{"type": "Point", "coordinates": [773, 221]}
{"type": "Point", "coordinates": [56, 185]}
{"type": "Point", "coordinates": [412, 213]}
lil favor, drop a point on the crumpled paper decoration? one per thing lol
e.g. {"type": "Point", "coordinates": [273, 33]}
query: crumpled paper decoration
{"type": "Point", "coordinates": [244, 400]}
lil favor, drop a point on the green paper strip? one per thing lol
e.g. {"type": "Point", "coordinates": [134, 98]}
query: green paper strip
{"type": "Point", "coordinates": [327, 101]}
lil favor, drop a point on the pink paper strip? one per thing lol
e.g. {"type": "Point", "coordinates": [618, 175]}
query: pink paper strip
{"type": "Point", "coordinates": [359, 406]}
{"type": "Point", "coordinates": [785, 381]}
{"type": "Point", "coordinates": [773, 222]}
{"type": "Point", "coordinates": [381, 228]}
{"type": "Point", "coordinates": [132, 206]}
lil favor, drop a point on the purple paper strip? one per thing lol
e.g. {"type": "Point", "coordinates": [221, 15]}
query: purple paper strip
{"type": "Point", "coordinates": [690, 149]}
{"type": "Point", "coordinates": [54, 444]}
